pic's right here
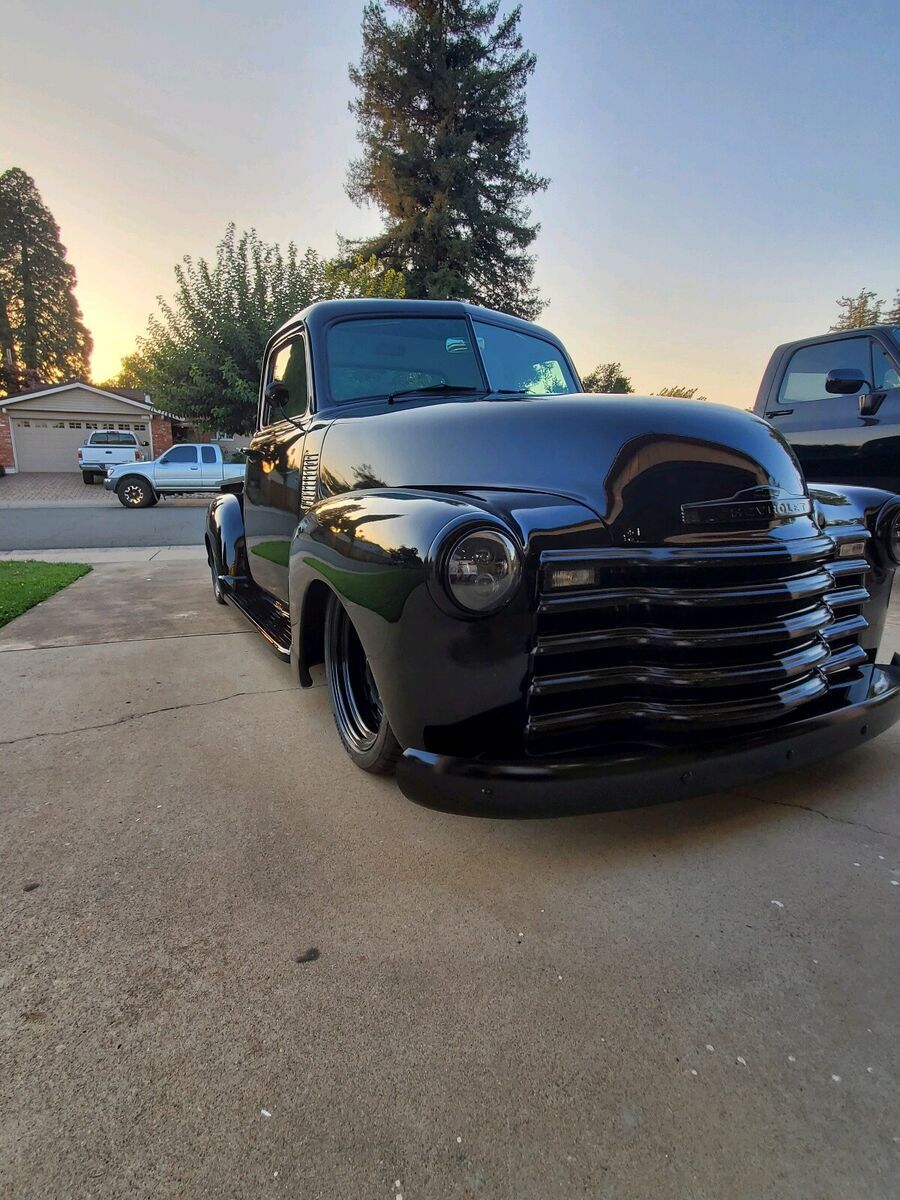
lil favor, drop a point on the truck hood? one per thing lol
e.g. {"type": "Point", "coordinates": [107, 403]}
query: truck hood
{"type": "Point", "coordinates": [654, 470]}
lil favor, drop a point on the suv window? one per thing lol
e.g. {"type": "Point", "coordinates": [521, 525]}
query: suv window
{"type": "Point", "coordinates": [805, 376]}
{"type": "Point", "coordinates": [208, 454]}
{"type": "Point", "coordinates": [885, 373]}
{"type": "Point", "coordinates": [180, 454]}
{"type": "Point", "coordinates": [289, 367]}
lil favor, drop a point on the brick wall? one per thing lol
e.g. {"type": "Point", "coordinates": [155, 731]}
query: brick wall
{"type": "Point", "coordinates": [160, 435]}
{"type": "Point", "coordinates": [6, 450]}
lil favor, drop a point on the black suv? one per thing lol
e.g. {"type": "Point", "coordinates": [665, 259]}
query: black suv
{"type": "Point", "coordinates": [836, 398]}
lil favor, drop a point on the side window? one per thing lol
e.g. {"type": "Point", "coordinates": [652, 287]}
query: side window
{"type": "Point", "coordinates": [208, 454]}
{"type": "Point", "coordinates": [180, 454]}
{"type": "Point", "coordinates": [288, 366]}
{"type": "Point", "coordinates": [885, 372]}
{"type": "Point", "coordinates": [805, 376]}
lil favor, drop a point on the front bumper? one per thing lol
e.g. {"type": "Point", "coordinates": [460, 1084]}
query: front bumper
{"type": "Point", "coordinates": [109, 483]}
{"type": "Point", "coordinates": [541, 788]}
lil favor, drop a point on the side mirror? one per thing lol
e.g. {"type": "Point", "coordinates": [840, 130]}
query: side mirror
{"type": "Point", "coordinates": [276, 394]}
{"type": "Point", "coordinates": [844, 381]}
{"type": "Point", "coordinates": [145, 443]}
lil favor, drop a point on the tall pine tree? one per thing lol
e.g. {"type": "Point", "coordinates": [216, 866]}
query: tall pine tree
{"type": "Point", "coordinates": [442, 122]}
{"type": "Point", "coordinates": [42, 336]}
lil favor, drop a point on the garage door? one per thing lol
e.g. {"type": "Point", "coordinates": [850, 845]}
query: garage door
{"type": "Point", "coordinates": [45, 445]}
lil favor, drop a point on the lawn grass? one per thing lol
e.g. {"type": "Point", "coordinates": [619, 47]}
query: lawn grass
{"type": "Point", "coordinates": [24, 584]}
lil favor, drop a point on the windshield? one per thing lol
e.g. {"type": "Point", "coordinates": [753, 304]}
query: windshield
{"type": "Point", "coordinates": [520, 362]}
{"type": "Point", "coordinates": [381, 356]}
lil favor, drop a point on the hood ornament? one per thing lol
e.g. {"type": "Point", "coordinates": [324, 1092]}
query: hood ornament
{"type": "Point", "coordinates": [752, 504]}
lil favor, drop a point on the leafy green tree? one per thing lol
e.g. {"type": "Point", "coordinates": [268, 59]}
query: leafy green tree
{"type": "Point", "coordinates": [858, 311]}
{"type": "Point", "coordinates": [607, 377]}
{"type": "Point", "coordinates": [42, 336]}
{"type": "Point", "coordinates": [202, 352]}
{"type": "Point", "coordinates": [680, 393]}
{"type": "Point", "coordinates": [893, 314]}
{"type": "Point", "coordinates": [441, 112]}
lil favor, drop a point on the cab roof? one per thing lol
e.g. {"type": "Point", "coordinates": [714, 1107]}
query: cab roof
{"type": "Point", "coordinates": [316, 316]}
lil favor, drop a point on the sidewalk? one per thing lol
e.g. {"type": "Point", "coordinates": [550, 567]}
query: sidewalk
{"type": "Point", "coordinates": [110, 554]}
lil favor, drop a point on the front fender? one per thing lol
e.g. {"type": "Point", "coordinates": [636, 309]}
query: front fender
{"type": "Point", "coordinates": [843, 512]}
{"type": "Point", "coordinates": [226, 540]}
{"type": "Point", "coordinates": [441, 674]}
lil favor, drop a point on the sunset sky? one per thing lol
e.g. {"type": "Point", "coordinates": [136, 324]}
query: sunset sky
{"type": "Point", "coordinates": [720, 171]}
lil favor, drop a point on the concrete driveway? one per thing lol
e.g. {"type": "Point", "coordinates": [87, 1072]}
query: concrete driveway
{"type": "Point", "coordinates": [249, 969]}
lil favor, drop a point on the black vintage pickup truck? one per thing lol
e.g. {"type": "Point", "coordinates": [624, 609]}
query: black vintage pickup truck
{"type": "Point", "coordinates": [528, 599]}
{"type": "Point", "coordinates": [836, 399]}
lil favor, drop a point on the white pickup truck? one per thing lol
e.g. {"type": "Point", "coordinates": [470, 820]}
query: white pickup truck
{"type": "Point", "coordinates": [106, 448]}
{"type": "Point", "coordinates": [183, 470]}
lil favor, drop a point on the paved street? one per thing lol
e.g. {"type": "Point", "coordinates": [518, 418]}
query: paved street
{"type": "Point", "coordinates": [57, 511]}
{"type": "Point", "coordinates": [696, 1000]}
{"type": "Point", "coordinates": [169, 523]}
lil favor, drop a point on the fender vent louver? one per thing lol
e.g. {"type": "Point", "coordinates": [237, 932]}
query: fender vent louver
{"type": "Point", "coordinates": [309, 481]}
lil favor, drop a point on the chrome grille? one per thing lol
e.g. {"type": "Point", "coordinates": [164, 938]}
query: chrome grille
{"type": "Point", "coordinates": [657, 639]}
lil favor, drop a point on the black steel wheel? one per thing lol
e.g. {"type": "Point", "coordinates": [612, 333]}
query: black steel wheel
{"type": "Point", "coordinates": [359, 715]}
{"type": "Point", "coordinates": [135, 492]}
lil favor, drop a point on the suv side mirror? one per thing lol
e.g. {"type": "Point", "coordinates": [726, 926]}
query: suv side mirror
{"type": "Point", "coordinates": [844, 381]}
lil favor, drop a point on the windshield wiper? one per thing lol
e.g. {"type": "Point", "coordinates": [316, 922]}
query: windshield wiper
{"type": "Point", "coordinates": [435, 387]}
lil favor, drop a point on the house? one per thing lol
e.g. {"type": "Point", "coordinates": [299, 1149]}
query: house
{"type": "Point", "coordinates": [41, 428]}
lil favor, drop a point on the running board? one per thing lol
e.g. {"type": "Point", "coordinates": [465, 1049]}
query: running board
{"type": "Point", "coordinates": [266, 616]}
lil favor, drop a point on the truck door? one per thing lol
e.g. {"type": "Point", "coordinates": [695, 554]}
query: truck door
{"type": "Point", "coordinates": [210, 467]}
{"type": "Point", "coordinates": [882, 450]}
{"type": "Point", "coordinates": [177, 468]}
{"type": "Point", "coordinates": [834, 443]}
{"type": "Point", "coordinates": [272, 483]}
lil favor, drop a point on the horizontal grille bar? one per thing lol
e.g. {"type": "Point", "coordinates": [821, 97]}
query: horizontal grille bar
{"type": "Point", "coordinates": [842, 628]}
{"type": "Point", "coordinates": [715, 713]}
{"type": "Point", "coordinates": [845, 659]}
{"type": "Point", "coordinates": [802, 587]}
{"type": "Point", "coordinates": [790, 628]}
{"type": "Point", "coordinates": [637, 558]}
{"type": "Point", "coordinates": [780, 669]}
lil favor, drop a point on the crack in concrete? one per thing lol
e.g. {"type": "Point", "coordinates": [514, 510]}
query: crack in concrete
{"type": "Point", "coordinates": [30, 737]}
{"type": "Point", "coordinates": [819, 812]}
{"type": "Point", "coordinates": [162, 637]}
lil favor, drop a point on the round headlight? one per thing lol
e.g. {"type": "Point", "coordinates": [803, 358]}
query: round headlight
{"type": "Point", "coordinates": [482, 570]}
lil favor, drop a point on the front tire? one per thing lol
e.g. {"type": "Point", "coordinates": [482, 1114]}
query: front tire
{"type": "Point", "coordinates": [135, 493]}
{"type": "Point", "coordinates": [359, 715]}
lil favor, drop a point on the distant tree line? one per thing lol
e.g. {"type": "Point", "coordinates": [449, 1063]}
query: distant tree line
{"type": "Point", "coordinates": [866, 308]}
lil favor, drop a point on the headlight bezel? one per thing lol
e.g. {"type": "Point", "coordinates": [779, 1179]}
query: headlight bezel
{"type": "Point", "coordinates": [451, 537]}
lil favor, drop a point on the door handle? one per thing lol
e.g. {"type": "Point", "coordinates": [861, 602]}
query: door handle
{"type": "Point", "coordinates": [781, 412]}
{"type": "Point", "coordinates": [195, 468]}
